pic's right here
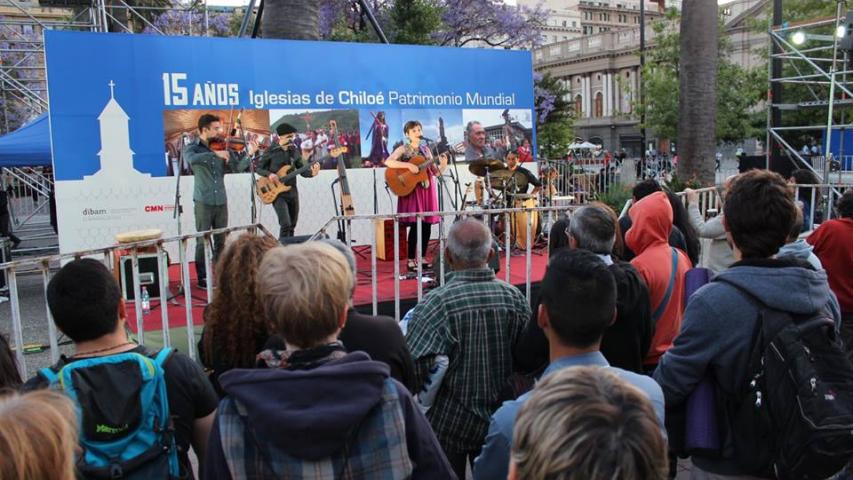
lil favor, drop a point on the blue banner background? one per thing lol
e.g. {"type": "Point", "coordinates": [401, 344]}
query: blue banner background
{"type": "Point", "coordinates": [80, 66]}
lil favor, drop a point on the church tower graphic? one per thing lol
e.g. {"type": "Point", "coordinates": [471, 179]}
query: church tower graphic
{"type": "Point", "coordinates": [116, 157]}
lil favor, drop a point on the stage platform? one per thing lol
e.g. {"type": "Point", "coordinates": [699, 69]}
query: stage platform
{"type": "Point", "coordinates": [362, 298]}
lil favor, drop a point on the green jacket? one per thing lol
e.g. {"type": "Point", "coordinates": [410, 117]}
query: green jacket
{"type": "Point", "coordinates": [276, 157]}
{"type": "Point", "coordinates": [209, 171]}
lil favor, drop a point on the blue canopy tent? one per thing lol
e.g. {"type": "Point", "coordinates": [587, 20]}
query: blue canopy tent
{"type": "Point", "coordinates": [27, 146]}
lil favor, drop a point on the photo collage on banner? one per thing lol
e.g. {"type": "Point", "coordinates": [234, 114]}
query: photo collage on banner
{"type": "Point", "coordinates": [119, 128]}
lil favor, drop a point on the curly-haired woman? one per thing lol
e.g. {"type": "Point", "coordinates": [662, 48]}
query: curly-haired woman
{"type": "Point", "coordinates": [235, 328]}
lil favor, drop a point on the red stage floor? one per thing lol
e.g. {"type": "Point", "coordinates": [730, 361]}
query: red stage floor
{"type": "Point", "coordinates": [362, 297]}
{"type": "Point", "coordinates": [409, 288]}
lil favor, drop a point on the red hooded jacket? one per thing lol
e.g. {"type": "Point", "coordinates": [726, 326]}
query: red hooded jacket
{"type": "Point", "coordinates": [648, 237]}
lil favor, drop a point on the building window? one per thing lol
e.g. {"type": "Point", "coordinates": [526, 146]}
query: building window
{"type": "Point", "coordinates": [578, 106]}
{"type": "Point", "coordinates": [598, 77]}
{"type": "Point", "coordinates": [574, 23]}
{"type": "Point", "coordinates": [564, 23]}
{"type": "Point", "coordinates": [598, 109]}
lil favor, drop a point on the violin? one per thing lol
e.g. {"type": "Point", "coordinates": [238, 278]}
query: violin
{"type": "Point", "coordinates": [221, 144]}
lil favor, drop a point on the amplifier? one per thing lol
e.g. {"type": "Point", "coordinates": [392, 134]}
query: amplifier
{"type": "Point", "coordinates": [149, 276]}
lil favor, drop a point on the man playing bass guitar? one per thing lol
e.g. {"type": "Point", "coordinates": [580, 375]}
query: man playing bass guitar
{"type": "Point", "coordinates": [286, 204]}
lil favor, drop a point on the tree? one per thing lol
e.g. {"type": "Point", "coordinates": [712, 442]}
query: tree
{"type": "Point", "coordinates": [553, 116]}
{"type": "Point", "coordinates": [182, 20]}
{"type": "Point", "coordinates": [294, 19]}
{"type": "Point", "coordinates": [739, 91]}
{"type": "Point", "coordinates": [491, 22]}
{"type": "Point", "coordinates": [697, 102]}
{"type": "Point", "coordinates": [413, 21]}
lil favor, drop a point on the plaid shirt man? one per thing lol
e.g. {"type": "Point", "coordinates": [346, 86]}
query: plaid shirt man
{"type": "Point", "coordinates": [474, 319]}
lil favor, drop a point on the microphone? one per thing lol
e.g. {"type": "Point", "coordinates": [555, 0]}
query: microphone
{"type": "Point", "coordinates": [426, 139]}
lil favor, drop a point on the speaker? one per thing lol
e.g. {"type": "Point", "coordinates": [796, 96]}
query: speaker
{"type": "Point", "coordinates": [149, 276]}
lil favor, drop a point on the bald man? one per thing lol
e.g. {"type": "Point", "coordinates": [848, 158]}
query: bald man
{"type": "Point", "coordinates": [474, 320]}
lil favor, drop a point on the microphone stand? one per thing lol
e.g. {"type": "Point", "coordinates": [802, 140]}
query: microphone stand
{"type": "Point", "coordinates": [455, 196]}
{"type": "Point", "coordinates": [176, 215]}
{"type": "Point", "coordinates": [375, 194]}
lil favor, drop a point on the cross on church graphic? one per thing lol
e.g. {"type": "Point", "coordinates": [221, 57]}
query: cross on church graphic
{"type": "Point", "coordinates": [116, 157]}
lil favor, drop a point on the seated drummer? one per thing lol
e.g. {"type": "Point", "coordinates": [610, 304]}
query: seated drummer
{"type": "Point", "coordinates": [513, 165]}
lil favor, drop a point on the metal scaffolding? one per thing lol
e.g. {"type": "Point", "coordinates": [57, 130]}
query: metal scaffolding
{"type": "Point", "coordinates": [808, 54]}
{"type": "Point", "coordinates": [23, 89]}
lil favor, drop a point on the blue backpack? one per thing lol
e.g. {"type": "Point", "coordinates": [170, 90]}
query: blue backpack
{"type": "Point", "coordinates": [126, 431]}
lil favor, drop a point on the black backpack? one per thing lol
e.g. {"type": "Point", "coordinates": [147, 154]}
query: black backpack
{"type": "Point", "coordinates": [794, 416]}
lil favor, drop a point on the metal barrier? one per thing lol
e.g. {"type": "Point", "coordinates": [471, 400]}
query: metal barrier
{"type": "Point", "coordinates": [819, 201]}
{"type": "Point", "coordinates": [821, 196]}
{"type": "Point", "coordinates": [505, 241]}
{"type": "Point", "coordinates": [42, 264]}
{"type": "Point", "coordinates": [583, 180]}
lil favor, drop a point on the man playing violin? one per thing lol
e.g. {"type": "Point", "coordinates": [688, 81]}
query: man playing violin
{"type": "Point", "coordinates": [286, 204]}
{"type": "Point", "coordinates": [209, 198]}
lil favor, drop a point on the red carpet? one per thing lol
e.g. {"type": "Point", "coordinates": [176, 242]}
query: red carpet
{"type": "Point", "coordinates": [363, 294]}
{"type": "Point", "coordinates": [409, 288]}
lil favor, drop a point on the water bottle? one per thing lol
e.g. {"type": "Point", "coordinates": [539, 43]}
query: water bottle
{"type": "Point", "coordinates": [146, 301]}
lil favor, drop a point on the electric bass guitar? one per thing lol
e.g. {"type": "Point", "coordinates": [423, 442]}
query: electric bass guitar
{"type": "Point", "coordinates": [268, 190]}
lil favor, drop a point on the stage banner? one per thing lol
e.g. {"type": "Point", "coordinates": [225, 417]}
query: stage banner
{"type": "Point", "coordinates": [124, 107]}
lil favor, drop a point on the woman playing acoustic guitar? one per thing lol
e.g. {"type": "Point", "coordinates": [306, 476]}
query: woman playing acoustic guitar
{"type": "Point", "coordinates": [424, 198]}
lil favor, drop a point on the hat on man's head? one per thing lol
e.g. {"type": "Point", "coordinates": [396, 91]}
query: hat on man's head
{"type": "Point", "coordinates": [285, 129]}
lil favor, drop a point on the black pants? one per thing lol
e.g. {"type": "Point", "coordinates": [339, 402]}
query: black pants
{"type": "Point", "coordinates": [287, 210]}
{"type": "Point", "coordinates": [413, 240]}
{"type": "Point", "coordinates": [460, 461]}
{"type": "Point", "coordinates": [208, 217]}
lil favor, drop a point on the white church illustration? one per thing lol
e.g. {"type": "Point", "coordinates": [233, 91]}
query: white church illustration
{"type": "Point", "coordinates": [116, 157]}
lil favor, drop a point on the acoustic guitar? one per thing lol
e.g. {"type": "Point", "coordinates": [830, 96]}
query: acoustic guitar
{"type": "Point", "coordinates": [402, 181]}
{"type": "Point", "coordinates": [268, 190]}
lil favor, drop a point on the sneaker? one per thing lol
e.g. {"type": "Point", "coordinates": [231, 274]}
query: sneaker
{"type": "Point", "coordinates": [202, 283]}
{"type": "Point", "coordinates": [4, 299]}
{"type": "Point", "coordinates": [16, 243]}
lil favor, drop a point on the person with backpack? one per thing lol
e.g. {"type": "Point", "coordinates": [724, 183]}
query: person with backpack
{"type": "Point", "coordinates": [764, 332]}
{"type": "Point", "coordinates": [324, 412]}
{"type": "Point", "coordinates": [140, 410]}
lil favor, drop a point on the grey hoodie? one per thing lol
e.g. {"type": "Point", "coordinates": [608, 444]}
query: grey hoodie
{"type": "Point", "coordinates": [716, 335]}
{"type": "Point", "coordinates": [802, 250]}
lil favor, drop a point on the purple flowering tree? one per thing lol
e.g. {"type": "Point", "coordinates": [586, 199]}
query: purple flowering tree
{"type": "Point", "coordinates": [490, 23]}
{"type": "Point", "coordinates": [182, 20]}
{"type": "Point", "coordinates": [553, 116]}
{"type": "Point", "coordinates": [462, 22]}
